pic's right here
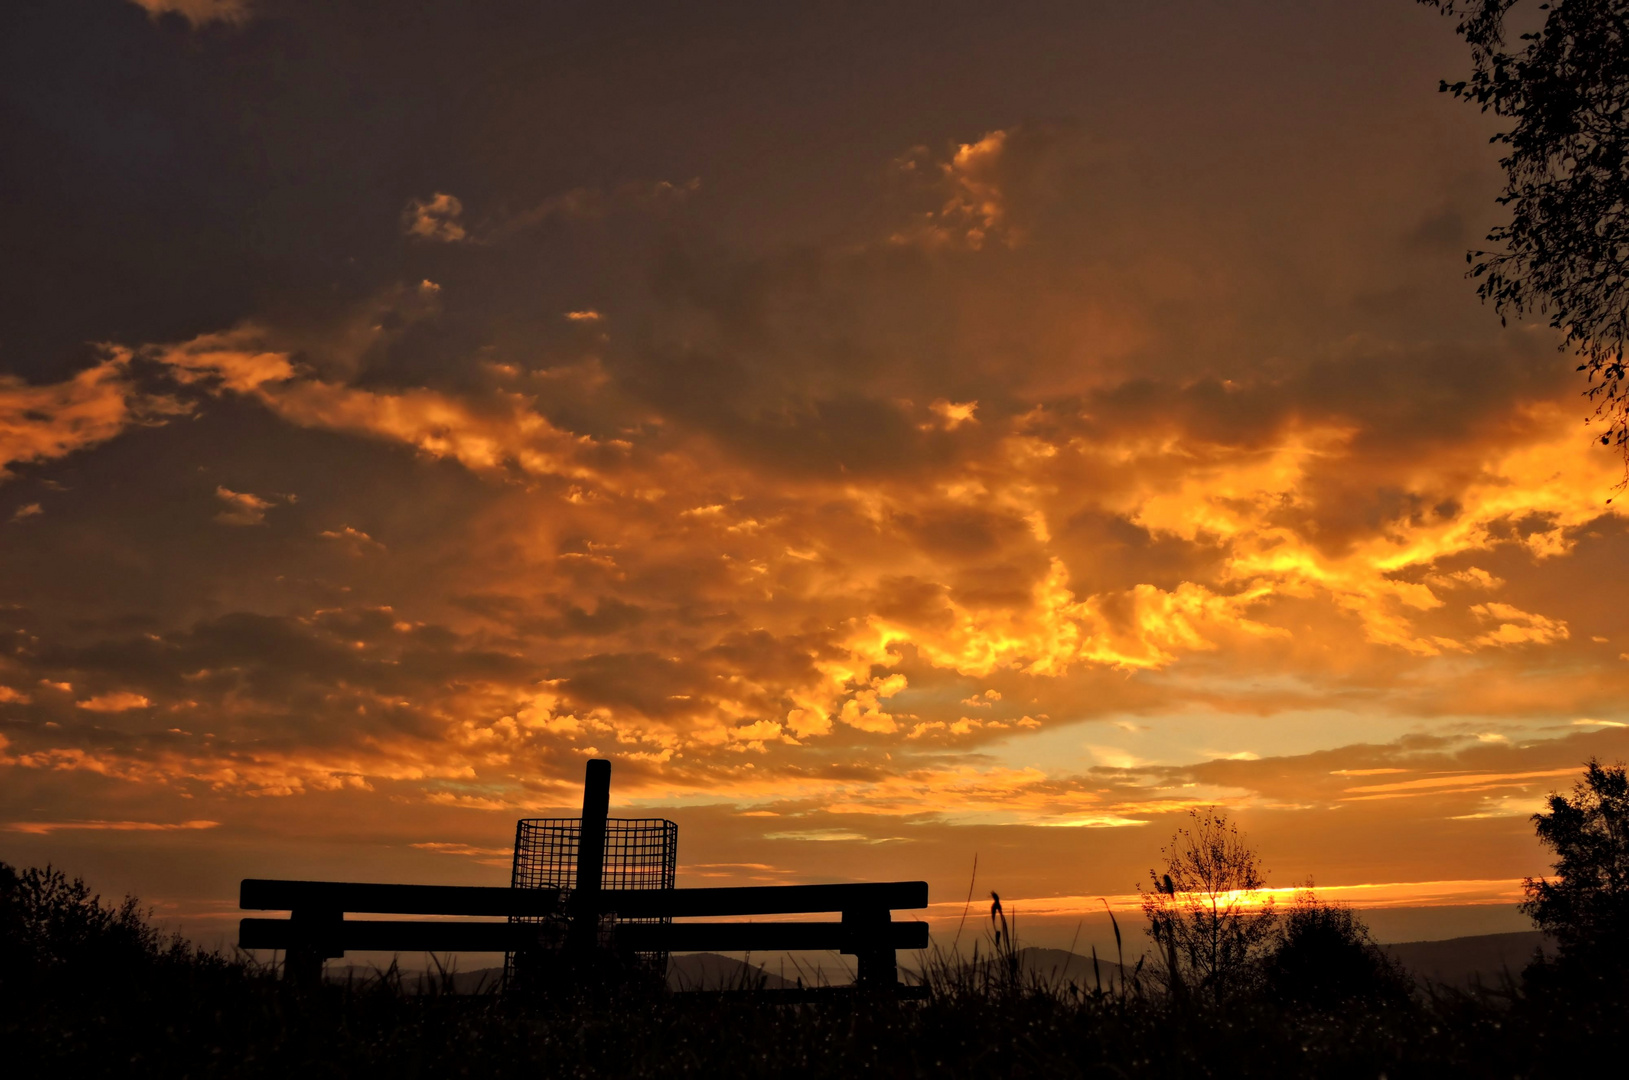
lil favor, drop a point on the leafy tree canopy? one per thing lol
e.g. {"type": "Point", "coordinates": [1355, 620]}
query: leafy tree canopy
{"type": "Point", "coordinates": [1564, 84]}
{"type": "Point", "coordinates": [1585, 907]}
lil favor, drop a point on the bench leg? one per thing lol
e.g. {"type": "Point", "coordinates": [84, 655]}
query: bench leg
{"type": "Point", "coordinates": [875, 960]}
{"type": "Point", "coordinates": [314, 935]}
{"type": "Point", "coordinates": [302, 967]}
{"type": "Point", "coordinates": [879, 968]}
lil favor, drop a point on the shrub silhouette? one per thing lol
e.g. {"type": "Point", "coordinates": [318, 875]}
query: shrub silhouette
{"type": "Point", "coordinates": [1322, 956]}
{"type": "Point", "coordinates": [51, 926]}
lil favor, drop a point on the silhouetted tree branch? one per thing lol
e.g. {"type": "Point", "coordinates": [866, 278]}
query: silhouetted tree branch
{"type": "Point", "coordinates": [1206, 912]}
{"type": "Point", "coordinates": [1565, 250]}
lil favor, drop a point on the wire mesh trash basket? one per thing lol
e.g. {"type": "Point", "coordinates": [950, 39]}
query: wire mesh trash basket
{"type": "Point", "coordinates": [640, 853]}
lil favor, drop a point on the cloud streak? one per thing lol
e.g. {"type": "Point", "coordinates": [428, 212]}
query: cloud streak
{"type": "Point", "coordinates": [46, 828]}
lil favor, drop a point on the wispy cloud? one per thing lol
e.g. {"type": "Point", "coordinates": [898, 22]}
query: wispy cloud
{"type": "Point", "coordinates": [436, 218]}
{"type": "Point", "coordinates": [242, 508]}
{"type": "Point", "coordinates": [118, 701]}
{"type": "Point", "coordinates": [200, 12]}
{"type": "Point", "coordinates": [45, 828]}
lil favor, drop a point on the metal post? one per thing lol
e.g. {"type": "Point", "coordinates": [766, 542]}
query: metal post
{"type": "Point", "coordinates": [591, 849]}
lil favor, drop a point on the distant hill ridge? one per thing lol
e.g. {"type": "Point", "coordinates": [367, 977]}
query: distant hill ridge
{"type": "Point", "coordinates": [1452, 962]}
{"type": "Point", "coordinates": [1463, 960]}
{"type": "Point", "coordinates": [710, 971]}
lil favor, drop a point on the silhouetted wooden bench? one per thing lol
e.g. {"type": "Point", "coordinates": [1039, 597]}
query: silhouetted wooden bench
{"type": "Point", "coordinates": [317, 927]}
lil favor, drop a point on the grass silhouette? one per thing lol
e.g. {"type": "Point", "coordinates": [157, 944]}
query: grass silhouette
{"type": "Point", "coordinates": [91, 989]}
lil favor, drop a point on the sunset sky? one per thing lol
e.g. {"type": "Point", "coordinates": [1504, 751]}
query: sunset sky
{"type": "Point", "coordinates": [890, 432]}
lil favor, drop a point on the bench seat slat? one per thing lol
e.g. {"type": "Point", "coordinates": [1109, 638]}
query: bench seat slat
{"type": "Point", "coordinates": [390, 935]}
{"type": "Point", "coordinates": [264, 894]}
{"type": "Point", "coordinates": [770, 936]}
{"type": "Point", "coordinates": [766, 899]}
{"type": "Point", "coordinates": [400, 935]}
{"type": "Point", "coordinates": [261, 894]}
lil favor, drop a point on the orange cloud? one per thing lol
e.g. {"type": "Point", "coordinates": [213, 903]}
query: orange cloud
{"type": "Point", "coordinates": [199, 12]}
{"type": "Point", "coordinates": [435, 218]}
{"type": "Point", "coordinates": [242, 508]}
{"type": "Point", "coordinates": [1474, 781]}
{"type": "Point", "coordinates": [501, 433]}
{"type": "Point", "coordinates": [1517, 627]}
{"type": "Point", "coordinates": [486, 856]}
{"type": "Point", "coordinates": [38, 423]}
{"type": "Point", "coordinates": [974, 207]}
{"type": "Point", "coordinates": [119, 701]}
{"type": "Point", "coordinates": [46, 828]}
{"type": "Point", "coordinates": [1241, 499]}
{"type": "Point", "coordinates": [355, 540]}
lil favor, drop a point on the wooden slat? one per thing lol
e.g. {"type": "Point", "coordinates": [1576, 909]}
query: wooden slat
{"type": "Point", "coordinates": [261, 894]}
{"type": "Point", "coordinates": [264, 894]}
{"type": "Point", "coordinates": [392, 935]}
{"type": "Point", "coordinates": [770, 936]}
{"type": "Point", "coordinates": [401, 935]}
{"type": "Point", "coordinates": [766, 899]}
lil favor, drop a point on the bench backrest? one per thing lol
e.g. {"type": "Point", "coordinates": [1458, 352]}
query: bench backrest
{"type": "Point", "coordinates": [265, 894]}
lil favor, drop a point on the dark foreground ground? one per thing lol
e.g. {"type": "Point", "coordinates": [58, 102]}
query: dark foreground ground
{"type": "Point", "coordinates": [88, 990]}
{"type": "Point", "coordinates": [192, 1017]}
